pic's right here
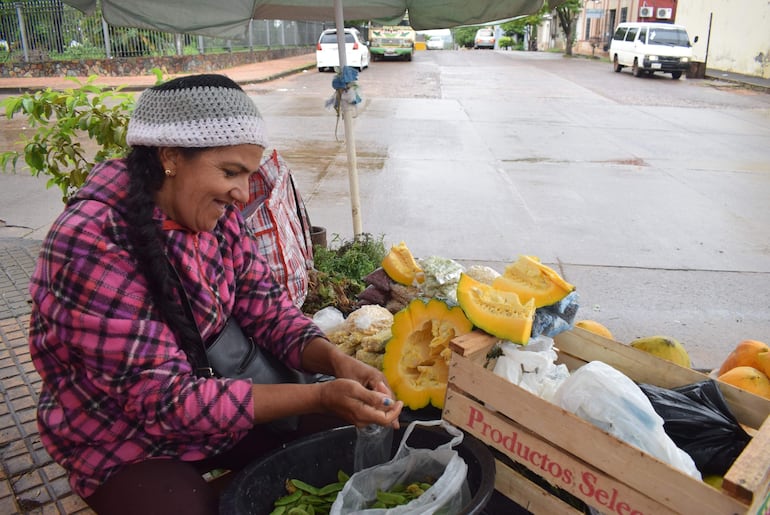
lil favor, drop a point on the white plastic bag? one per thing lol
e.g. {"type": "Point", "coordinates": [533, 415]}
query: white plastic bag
{"type": "Point", "coordinates": [532, 367]}
{"type": "Point", "coordinates": [448, 495]}
{"type": "Point", "coordinates": [609, 399]}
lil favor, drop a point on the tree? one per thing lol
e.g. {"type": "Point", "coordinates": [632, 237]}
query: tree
{"type": "Point", "coordinates": [463, 36]}
{"type": "Point", "coordinates": [520, 27]}
{"type": "Point", "coordinates": [567, 12]}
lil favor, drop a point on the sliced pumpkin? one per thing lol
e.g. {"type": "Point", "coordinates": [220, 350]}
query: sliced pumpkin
{"type": "Point", "coordinates": [530, 279]}
{"type": "Point", "coordinates": [498, 312]}
{"type": "Point", "coordinates": [416, 362]}
{"type": "Point", "coordinates": [401, 266]}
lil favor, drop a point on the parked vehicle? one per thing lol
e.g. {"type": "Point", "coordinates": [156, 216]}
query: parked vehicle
{"type": "Point", "coordinates": [485, 38]}
{"type": "Point", "coordinates": [435, 43]}
{"type": "Point", "coordinates": [395, 41]}
{"type": "Point", "coordinates": [327, 50]}
{"type": "Point", "coordinates": [651, 47]}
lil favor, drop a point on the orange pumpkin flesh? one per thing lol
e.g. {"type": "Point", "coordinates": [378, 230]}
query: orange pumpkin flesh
{"type": "Point", "coordinates": [416, 362]}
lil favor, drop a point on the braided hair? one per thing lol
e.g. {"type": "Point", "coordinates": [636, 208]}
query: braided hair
{"type": "Point", "coordinates": [146, 237]}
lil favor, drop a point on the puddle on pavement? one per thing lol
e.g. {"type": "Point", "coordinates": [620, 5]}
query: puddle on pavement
{"type": "Point", "coordinates": [320, 158]}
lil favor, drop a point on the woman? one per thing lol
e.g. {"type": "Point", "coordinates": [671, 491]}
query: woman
{"type": "Point", "coordinates": [121, 407]}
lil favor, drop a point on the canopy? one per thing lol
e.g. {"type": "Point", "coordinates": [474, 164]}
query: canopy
{"type": "Point", "coordinates": [230, 19]}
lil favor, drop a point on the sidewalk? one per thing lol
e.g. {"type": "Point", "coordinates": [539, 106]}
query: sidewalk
{"type": "Point", "coordinates": [262, 71]}
{"type": "Point", "coordinates": [30, 482]}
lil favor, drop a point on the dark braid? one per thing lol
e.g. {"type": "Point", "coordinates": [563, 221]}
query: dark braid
{"type": "Point", "coordinates": [146, 178]}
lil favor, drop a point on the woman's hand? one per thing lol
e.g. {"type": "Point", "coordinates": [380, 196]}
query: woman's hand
{"type": "Point", "coordinates": [361, 406]}
{"type": "Point", "coordinates": [353, 404]}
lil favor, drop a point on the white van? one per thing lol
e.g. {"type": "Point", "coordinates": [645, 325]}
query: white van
{"type": "Point", "coordinates": [650, 48]}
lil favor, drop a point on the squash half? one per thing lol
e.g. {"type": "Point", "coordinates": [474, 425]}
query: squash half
{"type": "Point", "coordinates": [416, 362]}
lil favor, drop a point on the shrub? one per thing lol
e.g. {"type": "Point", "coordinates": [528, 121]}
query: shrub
{"type": "Point", "coordinates": [61, 120]}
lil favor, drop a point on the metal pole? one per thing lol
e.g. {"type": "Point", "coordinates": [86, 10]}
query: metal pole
{"type": "Point", "coordinates": [350, 140]}
{"type": "Point", "coordinates": [23, 33]}
{"type": "Point", "coordinates": [106, 33]}
{"type": "Point", "coordinates": [708, 42]}
{"type": "Point", "coordinates": [251, 35]}
{"type": "Point", "coordinates": [200, 45]}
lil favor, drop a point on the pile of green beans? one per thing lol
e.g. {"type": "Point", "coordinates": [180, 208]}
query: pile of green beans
{"type": "Point", "coordinates": [305, 499]}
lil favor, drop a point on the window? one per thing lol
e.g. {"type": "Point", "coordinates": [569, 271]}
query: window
{"type": "Point", "coordinates": [670, 37]}
{"type": "Point", "coordinates": [643, 35]}
{"type": "Point", "coordinates": [620, 34]}
{"type": "Point", "coordinates": [588, 29]}
{"type": "Point", "coordinates": [632, 33]}
{"type": "Point", "coordinates": [332, 38]}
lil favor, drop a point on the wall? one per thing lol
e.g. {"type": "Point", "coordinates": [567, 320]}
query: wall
{"type": "Point", "coordinates": [118, 67]}
{"type": "Point", "coordinates": [740, 34]}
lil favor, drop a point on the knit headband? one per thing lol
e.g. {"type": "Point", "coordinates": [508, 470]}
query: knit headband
{"type": "Point", "coordinates": [196, 111]}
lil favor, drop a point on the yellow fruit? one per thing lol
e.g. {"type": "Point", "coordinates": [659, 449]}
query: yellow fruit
{"type": "Point", "coordinates": [663, 347]}
{"type": "Point", "coordinates": [594, 327]}
{"type": "Point", "coordinates": [749, 379]}
{"type": "Point", "coordinates": [763, 358]}
{"type": "Point", "coordinates": [744, 354]}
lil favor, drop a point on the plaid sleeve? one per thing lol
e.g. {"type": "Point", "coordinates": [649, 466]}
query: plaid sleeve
{"type": "Point", "coordinates": [263, 307]}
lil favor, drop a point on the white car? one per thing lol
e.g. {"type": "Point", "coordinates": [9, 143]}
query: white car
{"type": "Point", "coordinates": [327, 52]}
{"type": "Point", "coordinates": [435, 44]}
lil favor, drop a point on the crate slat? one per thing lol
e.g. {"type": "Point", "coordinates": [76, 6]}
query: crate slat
{"type": "Point", "coordinates": [528, 495]}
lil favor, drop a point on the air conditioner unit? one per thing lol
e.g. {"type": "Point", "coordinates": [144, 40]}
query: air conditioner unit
{"type": "Point", "coordinates": [663, 13]}
{"type": "Point", "coordinates": [645, 12]}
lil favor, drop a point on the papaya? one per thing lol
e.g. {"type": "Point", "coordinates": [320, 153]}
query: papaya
{"type": "Point", "coordinates": [595, 327]}
{"type": "Point", "coordinates": [749, 379]}
{"type": "Point", "coordinates": [764, 361]}
{"type": "Point", "coordinates": [746, 353]}
{"type": "Point", "coordinates": [664, 347]}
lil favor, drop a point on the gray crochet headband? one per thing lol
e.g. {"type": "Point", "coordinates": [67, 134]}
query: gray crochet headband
{"type": "Point", "coordinates": [196, 111]}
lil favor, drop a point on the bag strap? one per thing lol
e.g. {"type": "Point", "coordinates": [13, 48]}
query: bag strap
{"type": "Point", "coordinates": [205, 371]}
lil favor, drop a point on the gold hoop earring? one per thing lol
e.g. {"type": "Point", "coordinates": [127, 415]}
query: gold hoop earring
{"type": "Point", "coordinates": [169, 173]}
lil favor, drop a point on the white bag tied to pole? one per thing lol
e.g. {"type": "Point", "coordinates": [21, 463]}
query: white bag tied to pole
{"type": "Point", "coordinates": [448, 494]}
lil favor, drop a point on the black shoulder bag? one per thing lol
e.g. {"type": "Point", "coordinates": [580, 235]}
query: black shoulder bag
{"type": "Point", "coordinates": [232, 354]}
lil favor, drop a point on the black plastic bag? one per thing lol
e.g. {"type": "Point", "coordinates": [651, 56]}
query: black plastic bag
{"type": "Point", "coordinates": [698, 420]}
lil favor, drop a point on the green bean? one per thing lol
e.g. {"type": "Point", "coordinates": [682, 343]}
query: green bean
{"type": "Point", "coordinates": [288, 499]}
{"type": "Point", "coordinates": [301, 485]}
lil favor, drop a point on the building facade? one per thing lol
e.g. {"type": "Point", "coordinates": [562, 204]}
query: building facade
{"type": "Point", "coordinates": [732, 36]}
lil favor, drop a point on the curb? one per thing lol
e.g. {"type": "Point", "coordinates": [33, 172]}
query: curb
{"type": "Point", "coordinates": [19, 90]}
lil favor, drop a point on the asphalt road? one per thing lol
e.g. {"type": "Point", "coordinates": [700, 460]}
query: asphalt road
{"type": "Point", "coordinates": [649, 194]}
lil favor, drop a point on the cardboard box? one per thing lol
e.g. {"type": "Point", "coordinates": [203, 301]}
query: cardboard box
{"type": "Point", "coordinates": [578, 457]}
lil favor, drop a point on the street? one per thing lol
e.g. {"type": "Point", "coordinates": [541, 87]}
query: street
{"type": "Point", "coordinates": [648, 194]}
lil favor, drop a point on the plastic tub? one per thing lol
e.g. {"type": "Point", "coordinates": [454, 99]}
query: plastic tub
{"type": "Point", "coordinates": [316, 459]}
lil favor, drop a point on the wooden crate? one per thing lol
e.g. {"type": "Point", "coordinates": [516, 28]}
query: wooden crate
{"type": "Point", "coordinates": [574, 455]}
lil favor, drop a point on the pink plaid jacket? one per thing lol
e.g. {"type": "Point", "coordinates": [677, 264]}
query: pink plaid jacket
{"type": "Point", "coordinates": [116, 387]}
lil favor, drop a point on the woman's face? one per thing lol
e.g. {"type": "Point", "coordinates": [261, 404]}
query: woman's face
{"type": "Point", "coordinates": [197, 188]}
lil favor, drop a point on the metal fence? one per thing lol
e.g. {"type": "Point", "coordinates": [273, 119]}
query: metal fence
{"type": "Point", "coordinates": [48, 30]}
